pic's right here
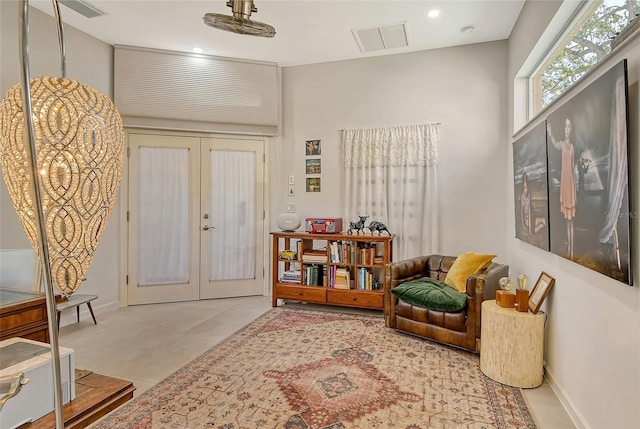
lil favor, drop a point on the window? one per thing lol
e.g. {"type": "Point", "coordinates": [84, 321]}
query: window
{"type": "Point", "coordinates": [586, 41]}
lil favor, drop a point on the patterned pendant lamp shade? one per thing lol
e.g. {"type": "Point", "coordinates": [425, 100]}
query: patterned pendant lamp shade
{"type": "Point", "coordinates": [80, 147]}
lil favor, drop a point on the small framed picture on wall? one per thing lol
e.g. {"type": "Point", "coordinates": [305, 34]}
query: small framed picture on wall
{"type": "Point", "coordinates": [312, 147]}
{"type": "Point", "coordinates": [313, 184]}
{"type": "Point", "coordinates": [313, 166]}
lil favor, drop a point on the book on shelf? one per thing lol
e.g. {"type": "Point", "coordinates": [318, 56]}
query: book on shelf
{"type": "Point", "coordinates": [366, 280]}
{"type": "Point", "coordinates": [342, 252]}
{"type": "Point", "coordinates": [314, 275]}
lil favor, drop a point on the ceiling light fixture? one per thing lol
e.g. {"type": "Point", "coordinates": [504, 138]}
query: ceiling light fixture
{"type": "Point", "coordinates": [434, 13]}
{"type": "Point", "coordinates": [240, 22]}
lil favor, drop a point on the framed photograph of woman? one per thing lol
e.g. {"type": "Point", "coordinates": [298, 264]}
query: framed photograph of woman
{"type": "Point", "coordinates": [312, 147]}
{"type": "Point", "coordinates": [313, 166]}
{"type": "Point", "coordinates": [530, 187]}
{"type": "Point", "coordinates": [313, 184]}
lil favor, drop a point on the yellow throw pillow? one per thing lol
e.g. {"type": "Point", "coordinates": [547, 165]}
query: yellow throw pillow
{"type": "Point", "coordinates": [465, 265]}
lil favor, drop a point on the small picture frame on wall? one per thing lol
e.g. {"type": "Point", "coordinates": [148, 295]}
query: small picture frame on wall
{"type": "Point", "coordinates": [540, 291]}
{"type": "Point", "coordinates": [313, 166]}
{"type": "Point", "coordinates": [313, 184]}
{"type": "Point", "coordinates": [312, 147]}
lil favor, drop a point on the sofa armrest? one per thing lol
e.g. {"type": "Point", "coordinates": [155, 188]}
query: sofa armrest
{"type": "Point", "coordinates": [482, 286]}
{"type": "Point", "coordinates": [485, 282]}
{"type": "Point", "coordinates": [397, 273]}
{"type": "Point", "coordinates": [407, 270]}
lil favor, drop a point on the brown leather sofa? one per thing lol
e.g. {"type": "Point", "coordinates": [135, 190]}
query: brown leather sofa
{"type": "Point", "coordinates": [460, 329]}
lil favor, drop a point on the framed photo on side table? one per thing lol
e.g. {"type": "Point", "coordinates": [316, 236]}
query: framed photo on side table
{"type": "Point", "coordinates": [540, 291]}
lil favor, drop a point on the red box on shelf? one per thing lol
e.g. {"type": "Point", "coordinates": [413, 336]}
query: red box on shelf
{"type": "Point", "coordinates": [320, 225]}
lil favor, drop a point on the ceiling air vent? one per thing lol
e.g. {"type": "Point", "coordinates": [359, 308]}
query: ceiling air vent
{"type": "Point", "coordinates": [377, 38]}
{"type": "Point", "coordinates": [83, 8]}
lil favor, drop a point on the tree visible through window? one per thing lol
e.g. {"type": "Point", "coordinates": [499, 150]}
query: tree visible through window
{"type": "Point", "coordinates": [586, 44]}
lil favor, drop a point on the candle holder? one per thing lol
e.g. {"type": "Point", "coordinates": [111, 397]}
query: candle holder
{"type": "Point", "coordinates": [522, 294]}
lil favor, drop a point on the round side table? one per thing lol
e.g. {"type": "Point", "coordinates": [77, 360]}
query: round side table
{"type": "Point", "coordinates": [511, 347]}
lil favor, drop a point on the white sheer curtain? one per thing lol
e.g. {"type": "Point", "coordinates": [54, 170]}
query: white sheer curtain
{"type": "Point", "coordinates": [164, 216]}
{"type": "Point", "coordinates": [390, 176]}
{"type": "Point", "coordinates": [233, 195]}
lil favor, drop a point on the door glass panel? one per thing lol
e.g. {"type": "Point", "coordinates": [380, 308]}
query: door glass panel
{"type": "Point", "coordinates": [164, 216]}
{"type": "Point", "coordinates": [232, 209]}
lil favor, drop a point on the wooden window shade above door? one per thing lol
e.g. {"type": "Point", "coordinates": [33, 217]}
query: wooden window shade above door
{"type": "Point", "coordinates": [182, 91]}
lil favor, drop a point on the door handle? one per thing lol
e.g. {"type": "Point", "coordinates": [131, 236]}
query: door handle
{"type": "Point", "coordinates": [207, 227]}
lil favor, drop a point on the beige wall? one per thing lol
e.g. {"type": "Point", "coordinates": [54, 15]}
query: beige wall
{"type": "Point", "coordinates": [463, 88]}
{"type": "Point", "coordinates": [592, 335]}
{"type": "Point", "coordinates": [593, 340]}
{"type": "Point", "coordinates": [90, 61]}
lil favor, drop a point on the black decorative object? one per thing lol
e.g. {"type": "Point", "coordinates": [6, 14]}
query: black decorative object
{"type": "Point", "coordinates": [377, 226]}
{"type": "Point", "coordinates": [357, 226]}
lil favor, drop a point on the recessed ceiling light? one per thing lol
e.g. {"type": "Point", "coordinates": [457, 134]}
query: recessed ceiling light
{"type": "Point", "coordinates": [197, 50]}
{"type": "Point", "coordinates": [433, 13]}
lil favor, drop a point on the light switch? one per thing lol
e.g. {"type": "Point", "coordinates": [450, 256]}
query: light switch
{"type": "Point", "coordinates": [291, 180]}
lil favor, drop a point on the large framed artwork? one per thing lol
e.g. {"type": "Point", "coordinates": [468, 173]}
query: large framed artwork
{"type": "Point", "coordinates": [588, 176]}
{"type": "Point", "coordinates": [530, 187]}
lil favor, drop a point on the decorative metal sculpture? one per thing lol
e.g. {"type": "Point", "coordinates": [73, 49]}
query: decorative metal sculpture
{"type": "Point", "coordinates": [377, 226]}
{"type": "Point", "coordinates": [357, 226]}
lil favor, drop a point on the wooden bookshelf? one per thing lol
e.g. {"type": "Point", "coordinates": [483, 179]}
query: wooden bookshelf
{"type": "Point", "coordinates": [336, 269]}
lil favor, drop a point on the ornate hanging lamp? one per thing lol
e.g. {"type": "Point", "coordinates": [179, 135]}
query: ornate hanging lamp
{"type": "Point", "coordinates": [79, 146]}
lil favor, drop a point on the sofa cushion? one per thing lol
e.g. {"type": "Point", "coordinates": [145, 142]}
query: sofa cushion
{"type": "Point", "coordinates": [430, 293]}
{"type": "Point", "coordinates": [464, 266]}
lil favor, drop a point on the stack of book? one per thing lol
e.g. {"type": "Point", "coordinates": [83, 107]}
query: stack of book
{"type": "Point", "coordinates": [314, 256]}
{"type": "Point", "coordinates": [341, 278]}
{"type": "Point", "coordinates": [291, 276]}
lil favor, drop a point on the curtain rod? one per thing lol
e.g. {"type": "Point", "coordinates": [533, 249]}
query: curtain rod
{"type": "Point", "coordinates": [432, 123]}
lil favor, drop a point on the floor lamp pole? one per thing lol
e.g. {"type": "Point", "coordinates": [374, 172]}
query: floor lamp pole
{"type": "Point", "coordinates": [31, 154]}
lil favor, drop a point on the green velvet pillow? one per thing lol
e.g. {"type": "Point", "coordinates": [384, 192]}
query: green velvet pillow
{"type": "Point", "coordinates": [430, 293]}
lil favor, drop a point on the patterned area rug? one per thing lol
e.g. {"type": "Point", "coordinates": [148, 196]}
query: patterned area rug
{"type": "Point", "coordinates": [296, 368]}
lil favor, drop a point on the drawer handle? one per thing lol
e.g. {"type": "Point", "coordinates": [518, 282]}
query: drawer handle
{"type": "Point", "coordinates": [355, 298]}
{"type": "Point", "coordinates": [299, 293]}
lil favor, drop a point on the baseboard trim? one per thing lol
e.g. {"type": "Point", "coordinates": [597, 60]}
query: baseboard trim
{"type": "Point", "coordinates": [575, 415]}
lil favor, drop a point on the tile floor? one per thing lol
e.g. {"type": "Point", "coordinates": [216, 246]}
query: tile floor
{"type": "Point", "coordinates": [147, 343]}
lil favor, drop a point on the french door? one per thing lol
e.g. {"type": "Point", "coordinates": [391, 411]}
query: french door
{"type": "Point", "coordinates": [195, 215]}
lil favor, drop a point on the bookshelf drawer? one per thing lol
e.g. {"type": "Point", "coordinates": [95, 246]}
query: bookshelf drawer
{"type": "Point", "coordinates": [301, 293]}
{"type": "Point", "coordinates": [355, 298]}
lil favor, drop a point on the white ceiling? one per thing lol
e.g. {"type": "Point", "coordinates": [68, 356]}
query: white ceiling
{"type": "Point", "coordinates": [307, 31]}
